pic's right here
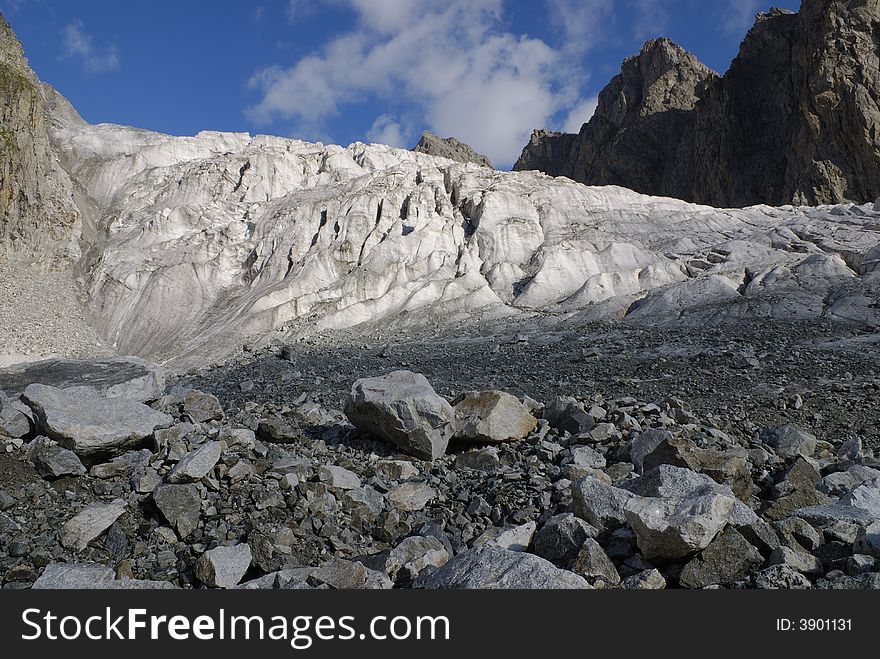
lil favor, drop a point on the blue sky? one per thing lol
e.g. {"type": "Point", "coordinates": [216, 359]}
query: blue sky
{"type": "Point", "coordinates": [485, 71]}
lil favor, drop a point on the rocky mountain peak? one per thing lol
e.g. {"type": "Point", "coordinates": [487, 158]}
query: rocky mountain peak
{"type": "Point", "coordinates": [794, 120]}
{"type": "Point", "coordinates": [451, 149]}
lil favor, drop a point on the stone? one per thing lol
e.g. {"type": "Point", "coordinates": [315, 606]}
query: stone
{"type": "Point", "coordinates": [411, 497]}
{"type": "Point", "coordinates": [865, 496]}
{"type": "Point", "coordinates": [512, 538]}
{"type": "Point", "coordinates": [90, 523]}
{"type": "Point", "coordinates": [7, 501]}
{"type": "Point", "coordinates": [8, 525]}
{"type": "Point", "coordinates": [491, 417]}
{"type": "Point", "coordinates": [15, 418]}
{"type": "Point", "coordinates": [122, 466]}
{"type": "Point", "coordinates": [237, 438]}
{"type": "Point", "coordinates": [196, 464]}
{"type": "Point", "coordinates": [201, 407]}
{"type": "Point", "coordinates": [224, 567]}
{"type": "Point", "coordinates": [825, 515]}
{"type": "Point", "coordinates": [414, 554]}
{"type": "Point", "coordinates": [560, 538]}
{"type": "Point", "coordinates": [487, 567]}
{"type": "Point", "coordinates": [278, 431]}
{"type": "Point", "coordinates": [483, 459]}
{"type": "Point", "coordinates": [396, 470]}
{"type": "Point", "coordinates": [593, 564]}
{"type": "Point", "coordinates": [113, 377]}
{"type": "Point", "coordinates": [338, 477]}
{"type": "Point", "coordinates": [797, 560]}
{"type": "Point", "coordinates": [451, 149]}
{"type": "Point", "coordinates": [798, 533]}
{"type": "Point", "coordinates": [781, 577]}
{"type": "Point", "coordinates": [599, 504]}
{"type": "Point", "coordinates": [644, 445]}
{"type": "Point", "coordinates": [672, 529]}
{"type": "Point", "coordinates": [727, 559]}
{"type": "Point", "coordinates": [568, 415]}
{"type": "Point", "coordinates": [53, 461]}
{"type": "Point", "coordinates": [402, 408]}
{"type": "Point", "coordinates": [74, 576]}
{"type": "Point", "coordinates": [340, 574]}
{"type": "Point", "coordinates": [868, 540]}
{"type": "Point", "coordinates": [646, 580]}
{"type": "Point", "coordinates": [789, 441]}
{"type": "Point", "coordinates": [90, 424]}
{"type": "Point", "coordinates": [181, 505]}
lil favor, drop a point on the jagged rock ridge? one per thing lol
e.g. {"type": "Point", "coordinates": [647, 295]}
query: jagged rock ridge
{"type": "Point", "coordinates": [451, 149]}
{"type": "Point", "coordinates": [795, 119]}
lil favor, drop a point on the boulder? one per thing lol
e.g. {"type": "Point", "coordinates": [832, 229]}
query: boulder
{"type": "Point", "coordinates": [411, 497]}
{"type": "Point", "coordinates": [600, 504]}
{"type": "Point", "coordinates": [224, 567]}
{"type": "Point", "coordinates": [402, 408]}
{"type": "Point", "coordinates": [201, 407]}
{"type": "Point", "coordinates": [487, 567]}
{"type": "Point", "coordinates": [789, 441]}
{"type": "Point", "coordinates": [491, 417]}
{"type": "Point", "coordinates": [513, 538]}
{"type": "Point", "coordinates": [338, 477]}
{"type": "Point", "coordinates": [671, 529]}
{"type": "Point", "coordinates": [181, 505]}
{"type": "Point", "coordinates": [868, 540]}
{"type": "Point", "coordinates": [52, 461]}
{"type": "Point", "coordinates": [568, 415]}
{"type": "Point", "coordinates": [115, 377]}
{"type": "Point", "coordinates": [74, 576]}
{"type": "Point", "coordinates": [593, 564]}
{"type": "Point", "coordinates": [561, 538]}
{"type": "Point", "coordinates": [727, 559]}
{"type": "Point", "coordinates": [89, 523]}
{"type": "Point", "coordinates": [196, 464]}
{"type": "Point", "coordinates": [89, 423]}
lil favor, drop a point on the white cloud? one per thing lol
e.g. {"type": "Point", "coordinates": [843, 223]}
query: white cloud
{"type": "Point", "coordinates": [76, 42]}
{"type": "Point", "coordinates": [580, 114]}
{"type": "Point", "coordinates": [387, 130]}
{"type": "Point", "coordinates": [583, 23]}
{"type": "Point", "coordinates": [452, 63]}
{"type": "Point", "coordinates": [739, 15]}
{"type": "Point", "coordinates": [259, 13]}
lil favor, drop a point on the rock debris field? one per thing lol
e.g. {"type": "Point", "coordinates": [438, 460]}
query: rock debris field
{"type": "Point", "coordinates": [490, 461]}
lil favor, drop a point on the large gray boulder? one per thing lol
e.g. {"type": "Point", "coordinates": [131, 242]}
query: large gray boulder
{"type": "Point", "coordinates": [670, 529]}
{"type": "Point", "coordinates": [224, 567]}
{"type": "Point", "coordinates": [53, 461]}
{"type": "Point", "coordinates": [114, 377]}
{"type": "Point", "coordinates": [181, 505]}
{"type": "Point", "coordinates": [89, 423]}
{"type": "Point", "coordinates": [402, 408]}
{"type": "Point", "coordinates": [487, 567]}
{"type": "Point", "coordinates": [74, 576]}
{"type": "Point", "coordinates": [491, 417]}
{"type": "Point", "coordinates": [196, 464]}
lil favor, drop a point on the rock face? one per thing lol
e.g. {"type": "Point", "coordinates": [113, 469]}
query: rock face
{"type": "Point", "coordinates": [451, 149]}
{"type": "Point", "coordinates": [793, 121]}
{"type": "Point", "coordinates": [403, 408]}
{"type": "Point", "coordinates": [33, 186]}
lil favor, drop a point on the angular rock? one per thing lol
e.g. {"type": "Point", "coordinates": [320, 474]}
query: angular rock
{"type": "Point", "coordinates": [789, 441]}
{"type": "Point", "coordinates": [486, 567]}
{"type": "Point", "coordinates": [645, 580]}
{"type": "Point", "coordinates": [53, 461]}
{"type": "Point", "coordinates": [727, 559]}
{"type": "Point", "coordinates": [89, 523]}
{"type": "Point", "coordinates": [338, 477]}
{"type": "Point", "coordinates": [865, 496]}
{"type": "Point", "coordinates": [491, 417]}
{"type": "Point", "coordinates": [568, 415]}
{"type": "Point", "coordinates": [451, 149]}
{"type": "Point", "coordinates": [599, 504]}
{"type": "Point", "coordinates": [90, 424]}
{"type": "Point", "coordinates": [868, 540]}
{"type": "Point", "coordinates": [201, 407]}
{"type": "Point", "coordinates": [825, 515]}
{"type": "Point", "coordinates": [181, 505]}
{"type": "Point", "coordinates": [224, 567]}
{"type": "Point", "coordinates": [413, 555]}
{"type": "Point", "coordinates": [672, 529]}
{"type": "Point", "coordinates": [411, 497]}
{"type": "Point", "coordinates": [593, 563]}
{"type": "Point", "coordinates": [797, 560]}
{"type": "Point", "coordinates": [512, 538]}
{"type": "Point", "coordinates": [402, 408]}
{"type": "Point", "coordinates": [781, 577]}
{"type": "Point", "coordinates": [196, 464]}
{"type": "Point", "coordinates": [560, 538]}
{"type": "Point", "coordinates": [74, 576]}
{"type": "Point", "coordinates": [396, 470]}
{"type": "Point", "coordinates": [484, 459]}
{"type": "Point", "coordinates": [15, 418]}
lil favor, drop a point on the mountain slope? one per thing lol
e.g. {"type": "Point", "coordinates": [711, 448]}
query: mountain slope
{"type": "Point", "coordinates": [795, 119]}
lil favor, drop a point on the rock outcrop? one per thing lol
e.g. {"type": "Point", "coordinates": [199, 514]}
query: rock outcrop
{"type": "Point", "coordinates": [794, 120]}
{"type": "Point", "coordinates": [451, 149]}
{"type": "Point", "coordinates": [38, 217]}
